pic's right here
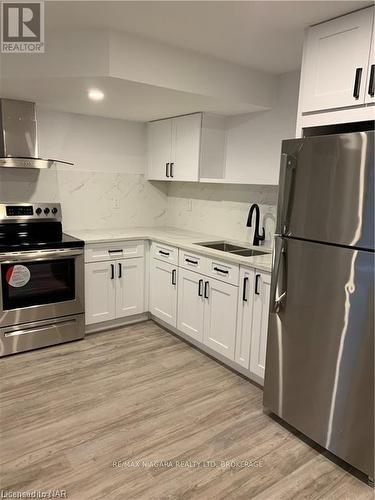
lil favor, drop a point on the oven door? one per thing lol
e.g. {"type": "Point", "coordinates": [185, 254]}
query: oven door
{"type": "Point", "coordinates": [41, 285]}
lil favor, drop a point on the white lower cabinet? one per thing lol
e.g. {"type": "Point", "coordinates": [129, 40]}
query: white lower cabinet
{"type": "Point", "coordinates": [163, 291]}
{"type": "Point", "coordinates": [262, 286]}
{"type": "Point", "coordinates": [207, 311]}
{"type": "Point", "coordinates": [220, 316]}
{"type": "Point", "coordinates": [100, 292]}
{"type": "Point", "coordinates": [113, 289]}
{"type": "Point", "coordinates": [190, 304]}
{"type": "Point", "coordinates": [252, 321]}
{"type": "Point", "coordinates": [129, 287]}
{"type": "Point", "coordinates": [244, 317]}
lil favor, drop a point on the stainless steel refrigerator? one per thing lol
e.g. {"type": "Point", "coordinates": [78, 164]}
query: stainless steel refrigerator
{"type": "Point", "coordinates": [320, 347]}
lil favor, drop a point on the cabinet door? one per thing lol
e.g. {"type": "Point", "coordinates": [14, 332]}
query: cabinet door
{"type": "Point", "coordinates": [261, 296]}
{"type": "Point", "coordinates": [220, 314]}
{"type": "Point", "coordinates": [163, 291]}
{"type": "Point", "coordinates": [370, 82]}
{"type": "Point", "coordinates": [244, 317]}
{"type": "Point", "coordinates": [190, 304]}
{"type": "Point", "coordinates": [186, 147]}
{"type": "Point", "coordinates": [129, 287]}
{"type": "Point", "coordinates": [333, 52]}
{"type": "Point", "coordinates": [159, 144]}
{"type": "Point", "coordinates": [100, 292]}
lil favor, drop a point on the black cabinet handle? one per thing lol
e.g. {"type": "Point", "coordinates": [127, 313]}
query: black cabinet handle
{"type": "Point", "coordinates": [371, 86]}
{"type": "Point", "coordinates": [164, 253]}
{"type": "Point", "coordinates": [174, 274]}
{"type": "Point", "coordinates": [357, 83]}
{"type": "Point", "coordinates": [257, 276]}
{"type": "Point", "coordinates": [200, 288]}
{"type": "Point", "coordinates": [119, 270]}
{"type": "Point", "coordinates": [171, 169]}
{"type": "Point", "coordinates": [206, 285]}
{"type": "Point", "coordinates": [221, 270]}
{"type": "Point", "coordinates": [116, 251]}
{"type": "Point", "coordinates": [112, 271]}
{"type": "Point", "coordinates": [191, 261]}
{"type": "Point", "coordinates": [167, 169]}
{"type": "Point", "coordinates": [244, 291]}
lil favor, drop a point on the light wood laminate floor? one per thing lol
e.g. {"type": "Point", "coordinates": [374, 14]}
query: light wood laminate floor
{"type": "Point", "coordinates": [139, 393]}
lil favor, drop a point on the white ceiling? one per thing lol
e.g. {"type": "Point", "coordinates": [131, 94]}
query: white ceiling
{"type": "Point", "coordinates": [263, 35]}
{"type": "Point", "coordinates": [123, 99]}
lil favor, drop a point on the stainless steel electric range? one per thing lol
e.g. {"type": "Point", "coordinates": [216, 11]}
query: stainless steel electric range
{"type": "Point", "coordinates": [42, 279]}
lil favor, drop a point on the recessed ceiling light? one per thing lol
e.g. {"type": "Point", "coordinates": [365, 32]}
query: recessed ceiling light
{"type": "Point", "coordinates": [96, 95]}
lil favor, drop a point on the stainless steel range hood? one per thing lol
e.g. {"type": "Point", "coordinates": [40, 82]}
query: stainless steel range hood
{"type": "Point", "coordinates": [18, 136]}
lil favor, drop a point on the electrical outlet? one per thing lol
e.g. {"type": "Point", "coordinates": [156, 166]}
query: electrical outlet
{"type": "Point", "coordinates": [116, 203]}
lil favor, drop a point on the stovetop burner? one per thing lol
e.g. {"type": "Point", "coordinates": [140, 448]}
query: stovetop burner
{"type": "Point", "coordinates": [33, 227]}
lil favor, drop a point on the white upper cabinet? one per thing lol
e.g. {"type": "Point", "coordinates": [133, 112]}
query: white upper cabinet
{"type": "Point", "coordinates": [159, 135]}
{"type": "Point", "coordinates": [186, 148]}
{"type": "Point", "coordinates": [370, 83]}
{"type": "Point", "coordinates": [336, 62]}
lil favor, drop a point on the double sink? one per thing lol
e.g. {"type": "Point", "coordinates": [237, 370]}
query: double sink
{"type": "Point", "coordinates": [224, 246]}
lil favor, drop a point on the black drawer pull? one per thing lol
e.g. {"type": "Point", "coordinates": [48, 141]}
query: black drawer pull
{"type": "Point", "coordinates": [245, 281]}
{"type": "Point", "coordinates": [167, 169]}
{"type": "Point", "coordinates": [191, 261]}
{"type": "Point", "coordinates": [357, 83]}
{"type": "Point", "coordinates": [371, 86]}
{"type": "Point", "coordinates": [200, 288]}
{"type": "Point", "coordinates": [112, 271]}
{"type": "Point", "coordinates": [257, 276]}
{"type": "Point", "coordinates": [164, 253]}
{"type": "Point", "coordinates": [171, 169]}
{"type": "Point", "coordinates": [119, 270]}
{"type": "Point", "coordinates": [115, 251]}
{"type": "Point", "coordinates": [206, 285]}
{"type": "Point", "coordinates": [221, 270]}
{"type": "Point", "coordinates": [174, 274]}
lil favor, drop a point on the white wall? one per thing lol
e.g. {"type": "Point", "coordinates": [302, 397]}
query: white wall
{"type": "Point", "coordinates": [254, 140]}
{"type": "Point", "coordinates": [106, 185]}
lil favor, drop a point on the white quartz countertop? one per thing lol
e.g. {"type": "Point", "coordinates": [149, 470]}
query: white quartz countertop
{"type": "Point", "coordinates": [187, 240]}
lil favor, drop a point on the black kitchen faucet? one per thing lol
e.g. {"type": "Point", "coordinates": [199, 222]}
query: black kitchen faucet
{"type": "Point", "coordinates": [257, 236]}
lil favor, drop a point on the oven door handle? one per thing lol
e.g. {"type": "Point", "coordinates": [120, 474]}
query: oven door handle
{"type": "Point", "coordinates": [38, 256]}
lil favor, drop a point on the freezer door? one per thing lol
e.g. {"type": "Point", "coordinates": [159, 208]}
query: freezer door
{"type": "Point", "coordinates": [327, 189]}
{"type": "Point", "coordinates": [320, 350]}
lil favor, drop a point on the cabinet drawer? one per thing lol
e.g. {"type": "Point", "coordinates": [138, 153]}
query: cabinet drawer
{"type": "Point", "coordinates": [192, 261]}
{"type": "Point", "coordinates": [223, 271]}
{"type": "Point", "coordinates": [117, 250]}
{"type": "Point", "coordinates": [164, 252]}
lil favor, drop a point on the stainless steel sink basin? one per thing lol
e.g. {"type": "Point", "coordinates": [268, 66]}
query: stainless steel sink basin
{"type": "Point", "coordinates": [224, 246]}
{"type": "Point", "coordinates": [248, 252]}
{"type": "Point", "coordinates": [221, 245]}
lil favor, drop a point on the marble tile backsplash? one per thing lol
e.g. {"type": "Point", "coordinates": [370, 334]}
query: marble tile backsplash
{"type": "Point", "coordinates": [90, 200]}
{"type": "Point", "coordinates": [221, 209]}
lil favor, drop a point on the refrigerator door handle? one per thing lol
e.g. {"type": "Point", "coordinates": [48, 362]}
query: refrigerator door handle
{"type": "Point", "coordinates": [287, 169]}
{"type": "Point", "coordinates": [277, 296]}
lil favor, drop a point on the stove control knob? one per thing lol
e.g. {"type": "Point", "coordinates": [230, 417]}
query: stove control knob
{"type": "Point", "coordinates": [38, 211]}
{"type": "Point", "coordinates": [54, 210]}
{"type": "Point", "coordinates": [46, 211]}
